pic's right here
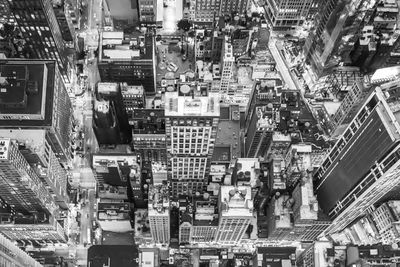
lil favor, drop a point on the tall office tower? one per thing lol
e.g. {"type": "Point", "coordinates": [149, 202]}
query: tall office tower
{"type": "Point", "coordinates": [204, 11]}
{"type": "Point", "coordinates": [133, 97]}
{"type": "Point", "coordinates": [330, 43]}
{"type": "Point", "coordinates": [62, 10]}
{"type": "Point", "coordinates": [151, 12]}
{"type": "Point", "coordinates": [231, 6]}
{"type": "Point", "coordinates": [198, 219]}
{"type": "Point", "coordinates": [11, 255]}
{"type": "Point", "coordinates": [124, 13]}
{"type": "Point", "coordinates": [34, 97]}
{"type": "Point", "coordinates": [159, 214]}
{"type": "Point", "coordinates": [21, 188]}
{"type": "Point", "coordinates": [149, 137]}
{"type": "Point", "coordinates": [386, 219]}
{"type": "Point", "coordinates": [235, 206]}
{"type": "Point", "coordinates": [39, 27]}
{"type": "Point", "coordinates": [191, 119]}
{"type": "Point", "coordinates": [36, 149]}
{"type": "Point", "coordinates": [116, 113]}
{"type": "Point", "coordinates": [127, 58]}
{"type": "Point", "coordinates": [5, 14]}
{"type": "Point", "coordinates": [285, 14]}
{"type": "Point", "coordinates": [227, 61]}
{"type": "Point", "coordinates": [105, 123]}
{"type": "Point", "coordinates": [313, 256]}
{"type": "Point", "coordinates": [354, 176]}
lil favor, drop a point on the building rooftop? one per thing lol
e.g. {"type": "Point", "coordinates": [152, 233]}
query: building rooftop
{"type": "Point", "coordinates": [248, 171]}
{"type": "Point", "coordinates": [26, 95]}
{"type": "Point", "coordinates": [158, 200]}
{"type": "Point", "coordinates": [236, 201]}
{"type": "Point", "coordinates": [191, 103]}
{"type": "Point", "coordinates": [148, 121]}
{"type": "Point", "coordinates": [227, 143]}
{"type": "Point", "coordinates": [276, 257]}
{"type": "Point", "coordinates": [117, 46]}
{"type": "Point", "coordinates": [113, 256]}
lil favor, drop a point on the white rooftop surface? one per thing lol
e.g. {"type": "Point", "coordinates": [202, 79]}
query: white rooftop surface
{"type": "Point", "coordinates": [122, 226]}
{"type": "Point", "coordinates": [385, 74]}
{"type": "Point", "coordinates": [320, 253]}
{"type": "Point", "coordinates": [107, 87]}
{"type": "Point", "coordinates": [120, 54]}
{"type": "Point", "coordinates": [283, 212]}
{"type": "Point", "coordinates": [133, 90]}
{"type": "Point", "coordinates": [238, 206]}
{"type": "Point", "coordinates": [331, 107]}
{"type": "Point", "coordinates": [113, 35]}
{"type": "Point", "coordinates": [160, 11]}
{"type": "Point", "coordinates": [181, 106]}
{"type": "Point", "coordinates": [147, 259]}
{"type": "Point", "coordinates": [33, 139]}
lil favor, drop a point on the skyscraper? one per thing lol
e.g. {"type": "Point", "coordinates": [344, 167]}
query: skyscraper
{"type": "Point", "coordinates": [39, 27]}
{"type": "Point", "coordinates": [35, 97]}
{"type": "Point", "coordinates": [11, 255]}
{"type": "Point", "coordinates": [20, 186]}
{"type": "Point", "coordinates": [227, 60]}
{"type": "Point", "coordinates": [284, 14]}
{"type": "Point", "coordinates": [206, 11]}
{"type": "Point", "coordinates": [159, 214]}
{"type": "Point", "coordinates": [235, 213]}
{"type": "Point", "coordinates": [364, 164]}
{"type": "Point", "coordinates": [192, 116]}
{"type": "Point", "coordinates": [326, 46]}
{"type": "Point", "coordinates": [127, 58]}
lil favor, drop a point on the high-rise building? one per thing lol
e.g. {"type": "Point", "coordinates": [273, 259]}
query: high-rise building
{"type": "Point", "coordinates": [62, 10]}
{"type": "Point", "coordinates": [27, 231]}
{"type": "Point", "coordinates": [198, 219]}
{"type": "Point", "coordinates": [21, 188]}
{"type": "Point", "coordinates": [235, 213]}
{"type": "Point", "coordinates": [285, 14]}
{"type": "Point", "coordinates": [127, 58]}
{"type": "Point", "coordinates": [227, 61]}
{"type": "Point", "coordinates": [40, 29]}
{"type": "Point", "coordinates": [151, 12]}
{"type": "Point", "coordinates": [326, 46]}
{"type": "Point", "coordinates": [11, 255]}
{"type": "Point", "coordinates": [35, 148]}
{"type": "Point", "coordinates": [228, 7]}
{"type": "Point", "coordinates": [207, 11]}
{"type": "Point", "coordinates": [386, 218]}
{"type": "Point", "coordinates": [191, 119]}
{"type": "Point", "coordinates": [34, 97]}
{"type": "Point", "coordinates": [149, 135]}
{"type": "Point", "coordinates": [110, 119]}
{"type": "Point", "coordinates": [354, 176]}
{"type": "Point", "coordinates": [158, 214]}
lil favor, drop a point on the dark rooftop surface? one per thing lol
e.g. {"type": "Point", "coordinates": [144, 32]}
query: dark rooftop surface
{"type": "Point", "coordinates": [273, 256]}
{"type": "Point", "coordinates": [148, 121]}
{"type": "Point", "coordinates": [372, 142]}
{"type": "Point", "coordinates": [35, 69]}
{"type": "Point", "coordinates": [227, 143]}
{"type": "Point", "coordinates": [117, 255]}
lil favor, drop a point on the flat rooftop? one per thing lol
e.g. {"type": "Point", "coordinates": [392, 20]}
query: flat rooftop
{"type": "Point", "coordinates": [114, 255]}
{"type": "Point", "coordinates": [182, 106]}
{"type": "Point", "coordinates": [32, 80]}
{"type": "Point", "coordinates": [227, 143]}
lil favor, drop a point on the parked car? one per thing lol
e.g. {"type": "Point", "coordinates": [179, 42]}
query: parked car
{"type": "Point", "coordinates": [172, 67]}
